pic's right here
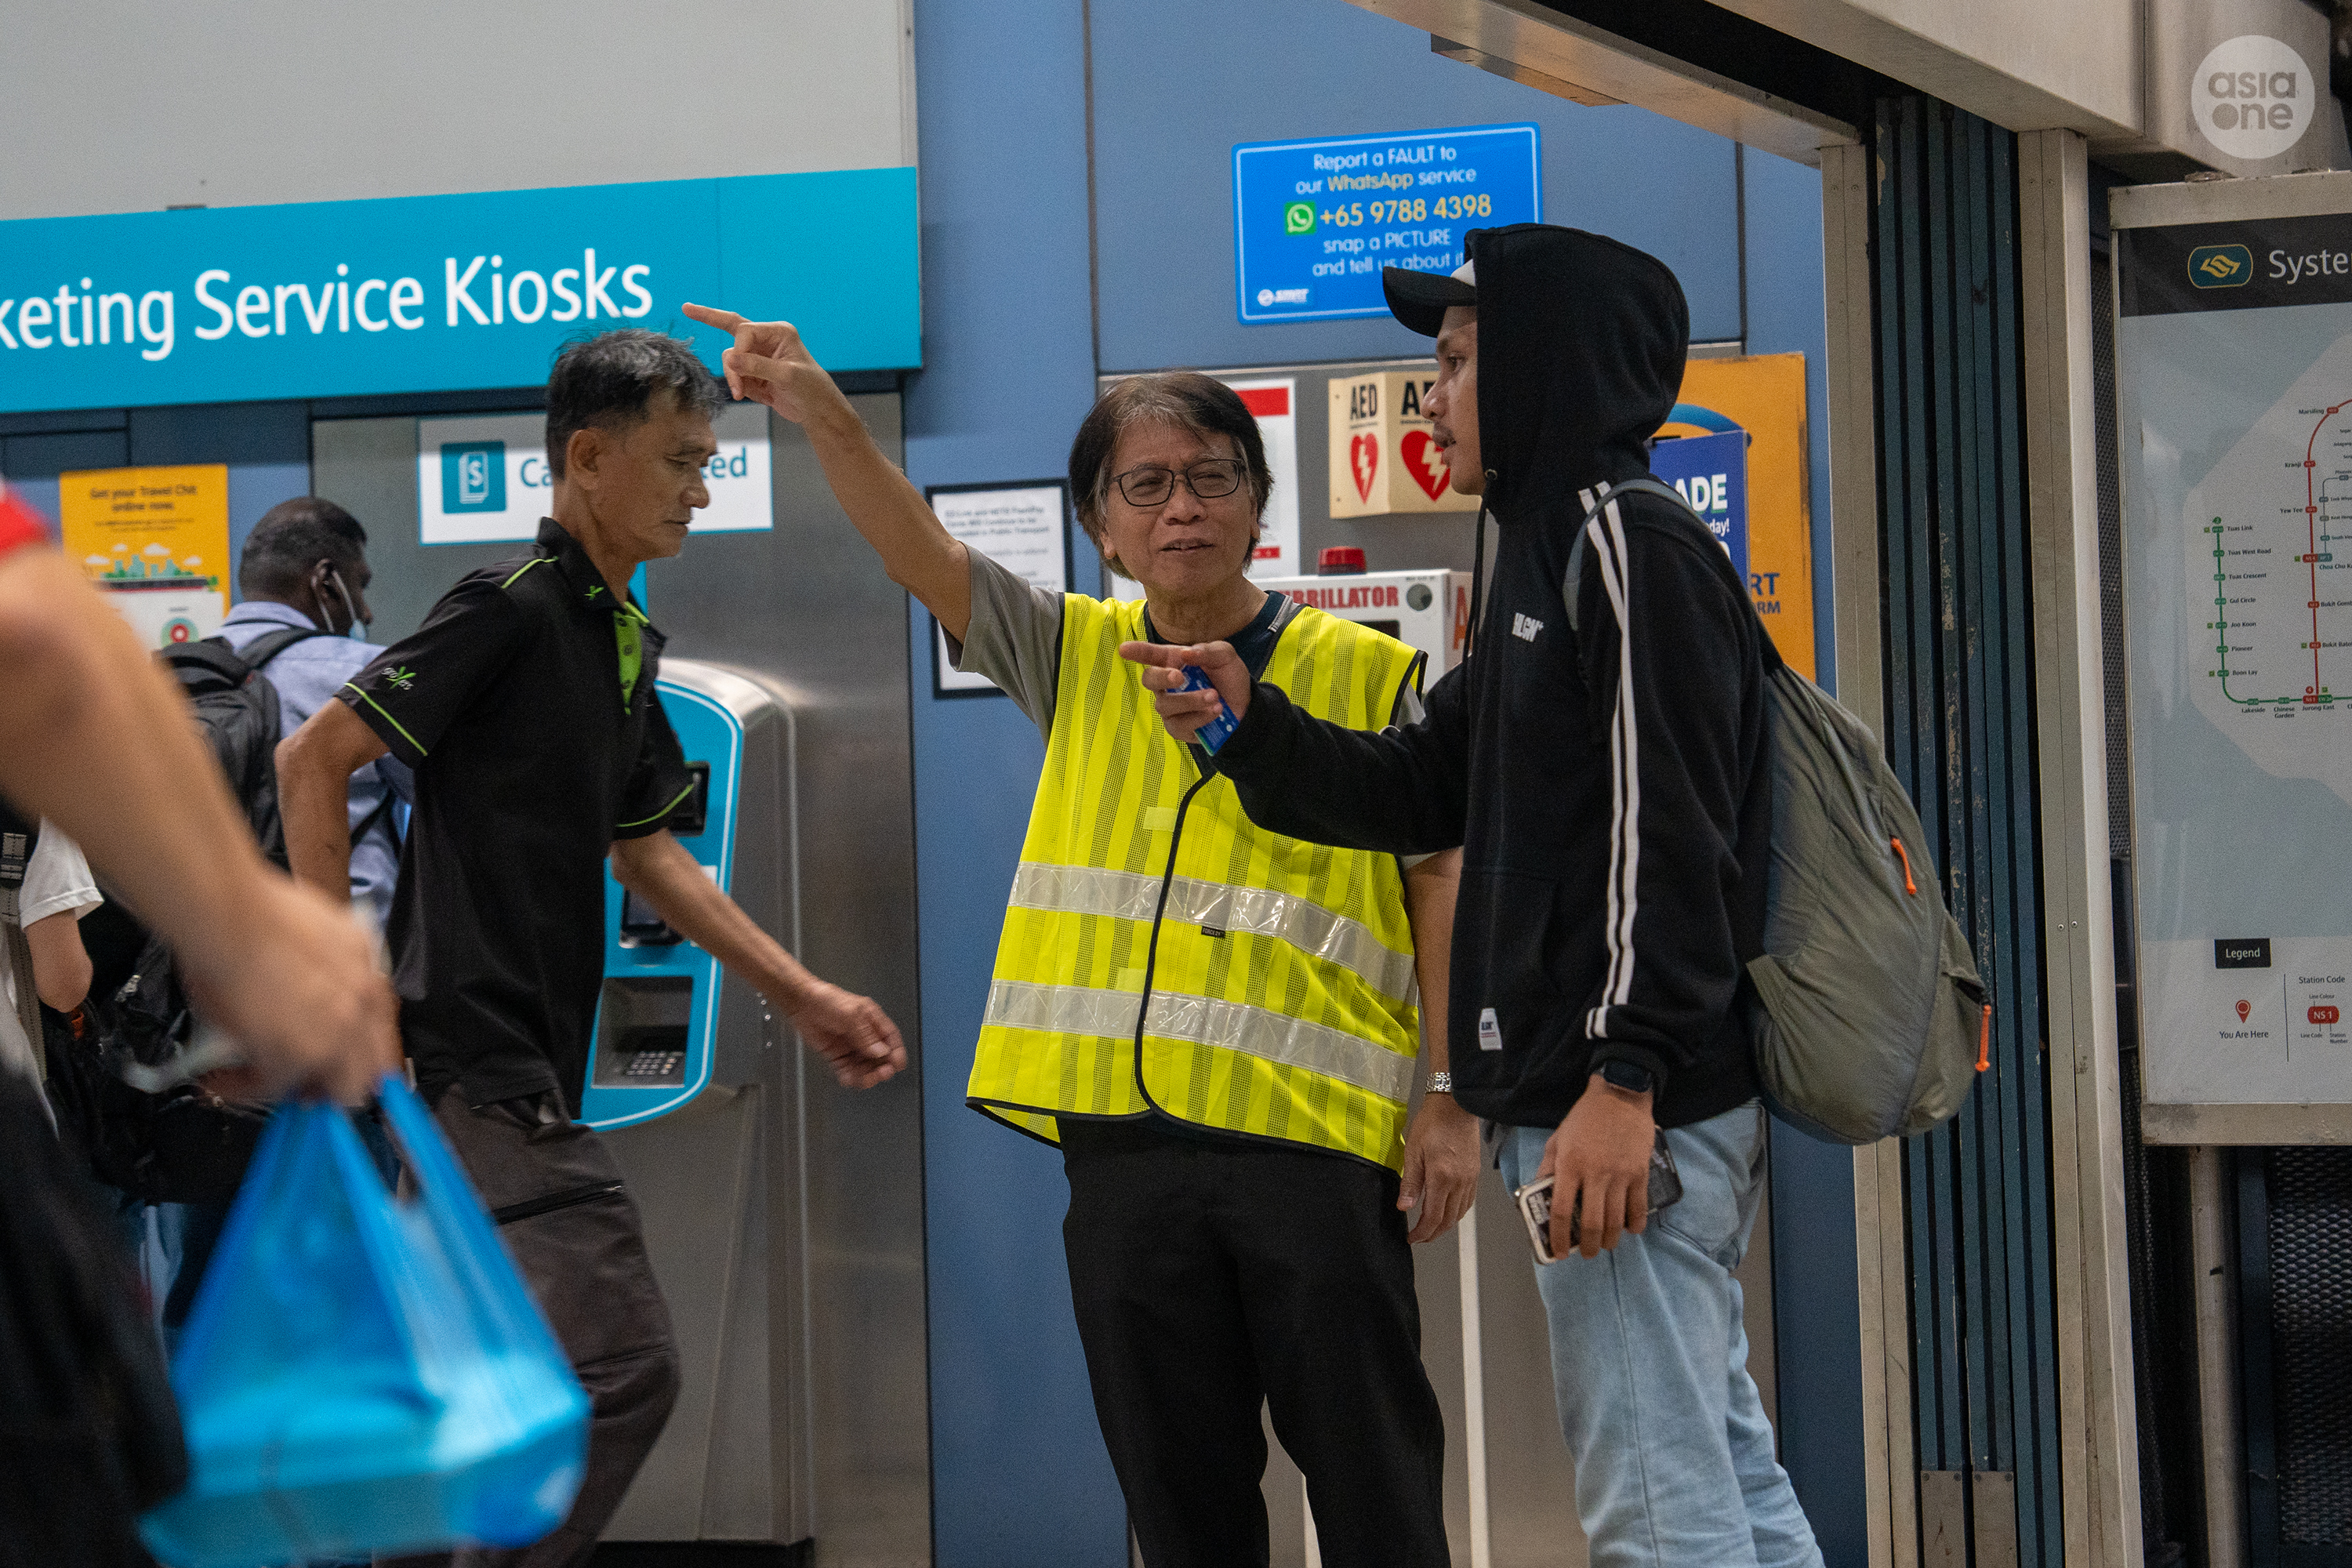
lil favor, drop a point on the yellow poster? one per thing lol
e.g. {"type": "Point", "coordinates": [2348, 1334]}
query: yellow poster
{"type": "Point", "coordinates": [157, 541]}
{"type": "Point", "coordinates": [1764, 394]}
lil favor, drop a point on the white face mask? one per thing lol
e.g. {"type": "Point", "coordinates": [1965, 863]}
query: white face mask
{"type": "Point", "coordinates": [356, 631]}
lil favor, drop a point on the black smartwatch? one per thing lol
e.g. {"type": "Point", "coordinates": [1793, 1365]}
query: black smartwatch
{"type": "Point", "coordinates": [1631, 1077]}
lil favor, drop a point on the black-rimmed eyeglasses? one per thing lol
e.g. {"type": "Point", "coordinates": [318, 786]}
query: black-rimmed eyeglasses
{"type": "Point", "coordinates": [1152, 485]}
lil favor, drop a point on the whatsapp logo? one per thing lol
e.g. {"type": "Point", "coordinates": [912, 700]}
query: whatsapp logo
{"type": "Point", "coordinates": [1298, 217]}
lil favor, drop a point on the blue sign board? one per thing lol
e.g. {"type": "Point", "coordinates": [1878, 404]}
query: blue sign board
{"type": "Point", "coordinates": [444, 293]}
{"type": "Point", "coordinates": [1314, 222]}
{"type": "Point", "coordinates": [1711, 473]}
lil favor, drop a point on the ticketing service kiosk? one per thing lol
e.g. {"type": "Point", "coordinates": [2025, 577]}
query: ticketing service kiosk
{"type": "Point", "coordinates": [698, 1092]}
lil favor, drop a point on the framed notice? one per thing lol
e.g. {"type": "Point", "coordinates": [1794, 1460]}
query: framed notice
{"type": "Point", "coordinates": [1024, 525]}
{"type": "Point", "coordinates": [2233, 352]}
{"type": "Point", "coordinates": [1274, 404]}
{"type": "Point", "coordinates": [156, 541]}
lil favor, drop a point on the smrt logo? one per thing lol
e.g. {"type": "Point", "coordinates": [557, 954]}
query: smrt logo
{"type": "Point", "coordinates": [2252, 97]}
{"type": "Point", "coordinates": [2220, 266]}
{"type": "Point", "coordinates": [474, 476]}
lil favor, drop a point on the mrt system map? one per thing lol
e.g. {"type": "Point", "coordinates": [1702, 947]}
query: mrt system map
{"type": "Point", "coordinates": [2272, 567]}
{"type": "Point", "coordinates": [2239, 611]}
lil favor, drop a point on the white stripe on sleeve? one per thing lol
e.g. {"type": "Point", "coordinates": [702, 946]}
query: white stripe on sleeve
{"type": "Point", "coordinates": [1625, 777]}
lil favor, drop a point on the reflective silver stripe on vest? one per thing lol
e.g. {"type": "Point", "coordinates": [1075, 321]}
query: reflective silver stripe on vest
{"type": "Point", "coordinates": [1254, 1031]}
{"type": "Point", "coordinates": [1299, 921]}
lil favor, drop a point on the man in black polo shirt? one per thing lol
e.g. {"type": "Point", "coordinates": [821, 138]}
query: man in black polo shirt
{"type": "Point", "coordinates": [525, 705]}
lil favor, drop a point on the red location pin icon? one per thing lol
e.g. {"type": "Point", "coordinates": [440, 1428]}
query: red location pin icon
{"type": "Point", "coordinates": [2244, 1008]}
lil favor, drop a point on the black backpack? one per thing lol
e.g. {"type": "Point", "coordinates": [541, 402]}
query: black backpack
{"type": "Point", "coordinates": [239, 710]}
{"type": "Point", "coordinates": [180, 1145]}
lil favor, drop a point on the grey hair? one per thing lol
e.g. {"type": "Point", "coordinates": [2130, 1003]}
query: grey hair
{"type": "Point", "coordinates": [609, 382]}
{"type": "Point", "coordinates": [1185, 399]}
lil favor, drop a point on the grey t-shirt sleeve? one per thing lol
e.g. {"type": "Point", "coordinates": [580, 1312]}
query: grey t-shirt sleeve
{"type": "Point", "coordinates": [1014, 638]}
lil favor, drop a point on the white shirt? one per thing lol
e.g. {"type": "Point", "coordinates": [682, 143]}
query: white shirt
{"type": "Point", "coordinates": [56, 881]}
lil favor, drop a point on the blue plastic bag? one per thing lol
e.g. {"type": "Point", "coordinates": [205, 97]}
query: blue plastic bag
{"type": "Point", "coordinates": [359, 1375]}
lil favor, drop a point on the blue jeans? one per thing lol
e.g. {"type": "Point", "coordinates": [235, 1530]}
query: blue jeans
{"type": "Point", "coordinates": [1674, 1464]}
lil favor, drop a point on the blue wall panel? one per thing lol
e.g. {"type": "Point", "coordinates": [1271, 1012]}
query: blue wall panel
{"type": "Point", "coordinates": [1815, 1295]}
{"type": "Point", "coordinates": [31, 464]}
{"type": "Point", "coordinates": [1786, 315]}
{"type": "Point", "coordinates": [1177, 86]}
{"type": "Point", "coordinates": [1019, 1476]}
{"type": "Point", "coordinates": [266, 447]}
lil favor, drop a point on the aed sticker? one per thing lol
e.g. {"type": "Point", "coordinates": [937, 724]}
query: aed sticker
{"type": "Point", "coordinates": [485, 478]}
{"type": "Point", "coordinates": [1383, 457]}
{"type": "Point", "coordinates": [1490, 1031]}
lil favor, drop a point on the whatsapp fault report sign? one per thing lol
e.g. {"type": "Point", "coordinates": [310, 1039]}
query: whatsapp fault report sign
{"type": "Point", "coordinates": [1315, 222]}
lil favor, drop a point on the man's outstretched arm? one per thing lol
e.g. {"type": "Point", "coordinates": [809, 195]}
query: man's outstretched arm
{"type": "Point", "coordinates": [849, 1031]}
{"type": "Point", "coordinates": [770, 365]}
{"type": "Point", "coordinates": [101, 744]}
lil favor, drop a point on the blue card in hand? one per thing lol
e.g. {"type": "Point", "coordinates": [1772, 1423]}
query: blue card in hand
{"type": "Point", "coordinates": [1215, 732]}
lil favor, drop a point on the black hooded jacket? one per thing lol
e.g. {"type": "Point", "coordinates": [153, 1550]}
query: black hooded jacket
{"type": "Point", "coordinates": [1610, 784]}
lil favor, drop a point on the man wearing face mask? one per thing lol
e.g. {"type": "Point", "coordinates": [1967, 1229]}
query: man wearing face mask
{"type": "Point", "coordinates": [305, 571]}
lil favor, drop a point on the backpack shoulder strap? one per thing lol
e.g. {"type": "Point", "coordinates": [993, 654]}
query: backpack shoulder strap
{"type": "Point", "coordinates": [1771, 653]}
{"type": "Point", "coordinates": [262, 649]}
{"type": "Point", "coordinates": [1576, 551]}
{"type": "Point", "coordinates": [382, 813]}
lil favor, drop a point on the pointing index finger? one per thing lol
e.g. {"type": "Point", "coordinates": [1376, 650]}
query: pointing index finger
{"type": "Point", "coordinates": [1162, 654]}
{"type": "Point", "coordinates": [725, 321]}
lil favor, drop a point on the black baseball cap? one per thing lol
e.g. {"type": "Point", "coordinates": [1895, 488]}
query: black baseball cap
{"type": "Point", "coordinates": [1420, 299]}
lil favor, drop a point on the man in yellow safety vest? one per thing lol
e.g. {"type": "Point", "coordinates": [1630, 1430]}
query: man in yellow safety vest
{"type": "Point", "coordinates": [1218, 1024]}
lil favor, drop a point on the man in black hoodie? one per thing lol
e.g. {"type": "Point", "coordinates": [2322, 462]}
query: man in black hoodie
{"type": "Point", "coordinates": [1607, 773]}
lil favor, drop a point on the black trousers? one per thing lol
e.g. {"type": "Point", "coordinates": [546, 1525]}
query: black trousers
{"type": "Point", "coordinates": [556, 1194]}
{"type": "Point", "coordinates": [1215, 1276]}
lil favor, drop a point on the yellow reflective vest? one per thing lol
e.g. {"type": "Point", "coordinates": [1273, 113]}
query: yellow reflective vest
{"type": "Point", "coordinates": [1161, 950]}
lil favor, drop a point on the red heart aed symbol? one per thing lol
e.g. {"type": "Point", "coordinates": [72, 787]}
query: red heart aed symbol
{"type": "Point", "coordinates": [1426, 463]}
{"type": "Point", "coordinates": [1364, 458]}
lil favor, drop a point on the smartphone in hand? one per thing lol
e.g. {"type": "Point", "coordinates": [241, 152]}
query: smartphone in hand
{"type": "Point", "coordinates": [1665, 1190]}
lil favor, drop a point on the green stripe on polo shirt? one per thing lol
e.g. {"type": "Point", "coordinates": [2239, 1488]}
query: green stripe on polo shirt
{"type": "Point", "coordinates": [387, 717]}
{"type": "Point", "coordinates": [632, 656]}
{"type": "Point", "coordinates": [676, 802]}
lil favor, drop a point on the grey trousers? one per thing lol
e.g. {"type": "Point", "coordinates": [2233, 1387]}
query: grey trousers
{"type": "Point", "coordinates": [556, 1192]}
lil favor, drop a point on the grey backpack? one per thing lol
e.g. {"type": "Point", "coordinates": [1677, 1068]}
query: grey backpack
{"type": "Point", "coordinates": [1869, 1020]}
